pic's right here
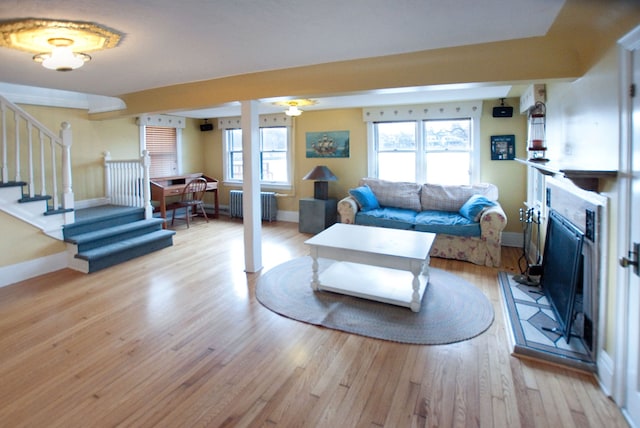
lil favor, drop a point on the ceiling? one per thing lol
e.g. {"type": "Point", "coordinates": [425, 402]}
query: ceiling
{"type": "Point", "coordinates": [169, 42]}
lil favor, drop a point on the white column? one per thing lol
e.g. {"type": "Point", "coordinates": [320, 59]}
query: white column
{"type": "Point", "coordinates": [251, 208]}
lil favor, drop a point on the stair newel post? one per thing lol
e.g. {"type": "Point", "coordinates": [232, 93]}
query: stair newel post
{"type": "Point", "coordinates": [67, 192]}
{"type": "Point", "coordinates": [5, 170]}
{"type": "Point", "coordinates": [30, 160]}
{"type": "Point", "coordinates": [107, 175]}
{"type": "Point", "coordinates": [146, 184]}
{"type": "Point", "coordinates": [17, 132]}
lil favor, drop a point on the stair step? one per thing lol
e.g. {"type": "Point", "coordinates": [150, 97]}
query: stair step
{"type": "Point", "coordinates": [34, 198]}
{"type": "Point", "coordinates": [13, 184]}
{"type": "Point", "coordinates": [114, 216]}
{"type": "Point", "coordinates": [89, 240]}
{"type": "Point", "coordinates": [127, 249]}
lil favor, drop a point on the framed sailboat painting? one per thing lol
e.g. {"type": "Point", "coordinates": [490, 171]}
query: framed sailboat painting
{"type": "Point", "coordinates": [328, 144]}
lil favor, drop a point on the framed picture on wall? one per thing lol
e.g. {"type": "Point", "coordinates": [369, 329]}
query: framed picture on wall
{"type": "Point", "coordinates": [328, 144]}
{"type": "Point", "coordinates": [503, 147]}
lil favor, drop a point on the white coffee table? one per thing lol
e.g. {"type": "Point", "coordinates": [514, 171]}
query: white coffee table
{"type": "Point", "coordinates": [386, 265]}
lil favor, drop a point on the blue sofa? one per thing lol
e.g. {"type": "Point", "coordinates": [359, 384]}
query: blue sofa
{"type": "Point", "coordinates": [468, 220]}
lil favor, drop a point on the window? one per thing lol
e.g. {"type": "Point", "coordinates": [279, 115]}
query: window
{"type": "Point", "coordinates": [438, 145]}
{"type": "Point", "coordinates": [161, 143]}
{"type": "Point", "coordinates": [161, 136]}
{"type": "Point", "coordinates": [275, 156]}
{"type": "Point", "coordinates": [448, 151]}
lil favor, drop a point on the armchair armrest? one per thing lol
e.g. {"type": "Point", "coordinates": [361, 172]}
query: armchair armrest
{"type": "Point", "coordinates": [347, 208]}
{"type": "Point", "coordinates": [492, 222]}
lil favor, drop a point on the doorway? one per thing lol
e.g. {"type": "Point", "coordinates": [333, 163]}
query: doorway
{"type": "Point", "coordinates": [627, 379]}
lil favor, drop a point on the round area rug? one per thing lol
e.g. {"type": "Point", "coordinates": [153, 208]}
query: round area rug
{"type": "Point", "coordinates": [452, 308]}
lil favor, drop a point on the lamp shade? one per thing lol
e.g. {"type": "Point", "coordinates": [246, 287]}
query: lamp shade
{"type": "Point", "coordinates": [320, 173]}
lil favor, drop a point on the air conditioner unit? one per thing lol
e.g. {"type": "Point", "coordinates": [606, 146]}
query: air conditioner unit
{"type": "Point", "coordinates": [532, 95]}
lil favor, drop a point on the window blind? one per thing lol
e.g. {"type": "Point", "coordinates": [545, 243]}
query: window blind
{"type": "Point", "coordinates": [161, 144]}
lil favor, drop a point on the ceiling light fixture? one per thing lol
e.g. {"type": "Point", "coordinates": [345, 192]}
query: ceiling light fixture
{"type": "Point", "coordinates": [61, 58]}
{"type": "Point", "coordinates": [293, 106]}
{"type": "Point", "coordinates": [293, 109]}
{"type": "Point", "coordinates": [57, 45]}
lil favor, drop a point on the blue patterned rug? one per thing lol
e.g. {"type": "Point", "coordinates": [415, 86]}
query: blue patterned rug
{"type": "Point", "coordinates": [452, 310]}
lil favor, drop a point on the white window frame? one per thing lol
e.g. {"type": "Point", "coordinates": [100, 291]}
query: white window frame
{"type": "Point", "coordinates": [419, 113]}
{"type": "Point", "coordinates": [266, 121]}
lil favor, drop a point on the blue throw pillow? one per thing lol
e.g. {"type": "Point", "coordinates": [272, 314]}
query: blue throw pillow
{"type": "Point", "coordinates": [365, 198]}
{"type": "Point", "coordinates": [475, 205]}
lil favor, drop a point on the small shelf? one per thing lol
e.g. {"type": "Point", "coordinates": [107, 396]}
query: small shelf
{"type": "Point", "coordinates": [587, 179]}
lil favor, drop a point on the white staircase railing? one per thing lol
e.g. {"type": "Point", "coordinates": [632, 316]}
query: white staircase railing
{"type": "Point", "coordinates": [127, 182]}
{"type": "Point", "coordinates": [34, 155]}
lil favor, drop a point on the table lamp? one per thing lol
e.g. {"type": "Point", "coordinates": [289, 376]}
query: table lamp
{"type": "Point", "coordinates": [321, 175]}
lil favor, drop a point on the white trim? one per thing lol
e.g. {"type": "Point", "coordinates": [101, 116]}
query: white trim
{"type": "Point", "coordinates": [89, 203]}
{"type": "Point", "coordinates": [32, 268]}
{"type": "Point", "coordinates": [452, 111]}
{"type": "Point", "coordinates": [265, 120]}
{"type": "Point", "coordinates": [627, 44]}
{"type": "Point", "coordinates": [605, 372]}
{"type": "Point", "coordinates": [455, 110]}
{"type": "Point", "coordinates": [20, 94]}
{"type": "Point", "coordinates": [166, 120]}
{"type": "Point", "coordinates": [512, 239]}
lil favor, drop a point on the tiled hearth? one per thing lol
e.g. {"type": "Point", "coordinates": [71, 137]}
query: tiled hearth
{"type": "Point", "coordinates": [531, 318]}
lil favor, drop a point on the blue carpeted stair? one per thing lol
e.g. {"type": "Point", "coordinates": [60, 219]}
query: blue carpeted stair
{"type": "Point", "coordinates": [108, 235]}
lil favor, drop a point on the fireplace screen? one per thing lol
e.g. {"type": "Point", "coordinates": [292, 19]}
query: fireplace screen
{"type": "Point", "coordinates": [562, 268]}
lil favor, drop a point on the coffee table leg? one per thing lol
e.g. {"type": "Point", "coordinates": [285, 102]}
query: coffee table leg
{"type": "Point", "coordinates": [314, 268]}
{"type": "Point", "coordinates": [416, 270]}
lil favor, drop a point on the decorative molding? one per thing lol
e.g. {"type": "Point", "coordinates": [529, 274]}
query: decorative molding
{"type": "Point", "coordinates": [161, 120]}
{"type": "Point", "coordinates": [266, 120]}
{"type": "Point", "coordinates": [472, 109]}
{"type": "Point", "coordinates": [20, 94]}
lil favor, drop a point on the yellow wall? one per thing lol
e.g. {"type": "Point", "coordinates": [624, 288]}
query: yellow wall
{"type": "Point", "coordinates": [21, 242]}
{"type": "Point", "coordinates": [509, 176]}
{"type": "Point", "coordinates": [202, 152]}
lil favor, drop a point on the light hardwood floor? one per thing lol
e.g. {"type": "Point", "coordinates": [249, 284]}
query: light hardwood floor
{"type": "Point", "coordinates": [177, 339]}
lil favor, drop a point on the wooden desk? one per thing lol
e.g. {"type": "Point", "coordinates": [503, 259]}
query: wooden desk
{"type": "Point", "coordinates": [161, 187]}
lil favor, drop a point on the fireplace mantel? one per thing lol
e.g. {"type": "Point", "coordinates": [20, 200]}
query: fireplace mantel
{"type": "Point", "coordinates": [587, 179]}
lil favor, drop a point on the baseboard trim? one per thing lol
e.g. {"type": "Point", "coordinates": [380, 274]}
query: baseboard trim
{"type": "Point", "coordinates": [605, 372]}
{"type": "Point", "coordinates": [511, 239]}
{"type": "Point", "coordinates": [32, 268]}
{"type": "Point", "coordinates": [89, 203]}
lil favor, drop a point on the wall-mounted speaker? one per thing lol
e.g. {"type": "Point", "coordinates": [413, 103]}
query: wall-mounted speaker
{"type": "Point", "coordinates": [502, 111]}
{"type": "Point", "coordinates": [206, 127]}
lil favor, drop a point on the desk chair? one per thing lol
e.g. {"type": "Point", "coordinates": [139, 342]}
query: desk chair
{"type": "Point", "coordinates": [191, 199]}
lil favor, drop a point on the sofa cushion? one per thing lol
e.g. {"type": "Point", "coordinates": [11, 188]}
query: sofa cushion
{"type": "Point", "coordinates": [365, 198]}
{"type": "Point", "coordinates": [395, 194]}
{"type": "Point", "coordinates": [451, 197]}
{"type": "Point", "coordinates": [396, 218]}
{"type": "Point", "coordinates": [474, 207]}
{"type": "Point", "coordinates": [446, 222]}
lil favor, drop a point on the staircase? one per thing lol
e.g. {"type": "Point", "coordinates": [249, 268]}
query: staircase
{"type": "Point", "coordinates": [107, 235]}
{"type": "Point", "coordinates": [36, 187]}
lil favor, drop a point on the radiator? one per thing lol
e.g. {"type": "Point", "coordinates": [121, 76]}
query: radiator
{"type": "Point", "coordinates": [268, 204]}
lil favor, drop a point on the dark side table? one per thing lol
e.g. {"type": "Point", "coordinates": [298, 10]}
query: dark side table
{"type": "Point", "coordinates": [317, 214]}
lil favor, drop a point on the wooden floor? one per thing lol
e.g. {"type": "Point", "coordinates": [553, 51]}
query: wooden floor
{"type": "Point", "coordinates": [177, 339]}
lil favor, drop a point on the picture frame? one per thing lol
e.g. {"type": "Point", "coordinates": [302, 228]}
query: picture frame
{"type": "Point", "coordinates": [503, 147]}
{"type": "Point", "coordinates": [327, 144]}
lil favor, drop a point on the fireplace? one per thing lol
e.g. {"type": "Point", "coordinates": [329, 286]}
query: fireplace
{"type": "Point", "coordinates": [562, 271]}
{"type": "Point", "coordinates": [586, 211]}
{"type": "Point", "coordinates": [537, 316]}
